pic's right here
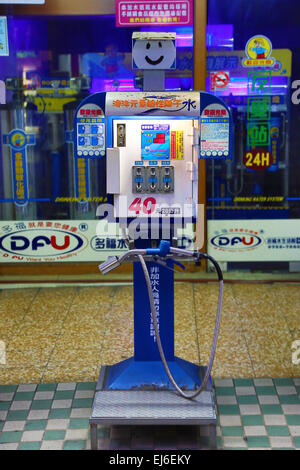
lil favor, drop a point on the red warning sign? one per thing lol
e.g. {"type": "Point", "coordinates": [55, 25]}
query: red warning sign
{"type": "Point", "coordinates": [219, 80]}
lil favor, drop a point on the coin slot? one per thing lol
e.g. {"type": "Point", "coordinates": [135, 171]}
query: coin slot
{"type": "Point", "coordinates": [121, 135]}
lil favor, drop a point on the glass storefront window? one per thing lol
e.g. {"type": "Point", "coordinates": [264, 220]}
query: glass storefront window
{"type": "Point", "coordinates": [254, 199]}
{"type": "Point", "coordinates": [53, 62]}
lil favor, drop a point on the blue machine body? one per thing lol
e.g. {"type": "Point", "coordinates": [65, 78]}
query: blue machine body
{"type": "Point", "coordinates": [145, 369]}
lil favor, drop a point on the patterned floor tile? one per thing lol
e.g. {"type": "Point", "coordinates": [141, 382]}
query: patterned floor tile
{"type": "Point", "coordinates": [257, 387]}
{"type": "Point", "coordinates": [241, 425]}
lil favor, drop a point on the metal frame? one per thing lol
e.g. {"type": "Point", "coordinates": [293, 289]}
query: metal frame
{"type": "Point", "coordinates": [176, 415]}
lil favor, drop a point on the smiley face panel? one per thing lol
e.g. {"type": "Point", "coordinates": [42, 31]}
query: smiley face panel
{"type": "Point", "coordinates": [154, 53]}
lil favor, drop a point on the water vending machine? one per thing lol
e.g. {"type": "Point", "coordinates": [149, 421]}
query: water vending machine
{"type": "Point", "coordinates": [152, 142]}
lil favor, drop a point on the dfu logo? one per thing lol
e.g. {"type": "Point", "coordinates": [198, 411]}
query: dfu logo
{"type": "Point", "coordinates": [236, 241]}
{"type": "Point", "coordinates": [296, 352]}
{"type": "Point", "coordinates": [41, 242]}
{"type": "Point", "coordinates": [22, 243]}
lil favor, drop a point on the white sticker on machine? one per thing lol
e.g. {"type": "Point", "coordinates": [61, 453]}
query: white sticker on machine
{"type": "Point", "coordinates": [214, 140]}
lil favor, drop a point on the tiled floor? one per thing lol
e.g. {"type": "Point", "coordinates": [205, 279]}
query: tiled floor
{"type": "Point", "coordinates": [59, 338]}
{"type": "Point", "coordinates": [252, 414]}
{"type": "Point", "coordinates": [65, 334]}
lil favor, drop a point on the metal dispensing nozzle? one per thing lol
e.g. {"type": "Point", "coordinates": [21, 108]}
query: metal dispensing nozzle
{"type": "Point", "coordinates": [111, 263]}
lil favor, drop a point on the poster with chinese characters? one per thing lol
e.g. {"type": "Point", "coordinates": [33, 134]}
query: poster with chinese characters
{"type": "Point", "coordinates": [163, 13]}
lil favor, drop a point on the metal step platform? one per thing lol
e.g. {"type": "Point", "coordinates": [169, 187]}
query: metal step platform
{"type": "Point", "coordinates": [151, 407]}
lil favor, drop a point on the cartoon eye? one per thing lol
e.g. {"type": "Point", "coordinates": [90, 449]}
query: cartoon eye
{"type": "Point", "coordinates": [148, 45]}
{"type": "Point", "coordinates": [159, 44]}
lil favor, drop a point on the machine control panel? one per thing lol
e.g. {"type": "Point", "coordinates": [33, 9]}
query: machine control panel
{"type": "Point", "coordinates": [152, 179]}
{"type": "Point", "coordinates": [150, 158]}
{"type": "Point", "coordinates": [152, 142]}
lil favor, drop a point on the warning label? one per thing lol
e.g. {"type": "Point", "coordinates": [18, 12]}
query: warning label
{"type": "Point", "coordinates": [177, 145]}
{"type": "Point", "coordinates": [219, 80]}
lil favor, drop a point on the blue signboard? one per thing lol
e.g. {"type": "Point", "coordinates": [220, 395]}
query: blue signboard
{"type": "Point", "coordinates": [18, 141]}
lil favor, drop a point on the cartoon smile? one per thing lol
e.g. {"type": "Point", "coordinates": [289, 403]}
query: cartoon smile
{"type": "Point", "coordinates": [154, 54]}
{"type": "Point", "coordinates": [154, 62]}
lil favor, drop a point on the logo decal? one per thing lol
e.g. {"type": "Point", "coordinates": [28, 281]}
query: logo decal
{"type": "Point", "coordinates": [237, 240]}
{"type": "Point", "coordinates": [258, 50]}
{"type": "Point", "coordinates": [42, 243]}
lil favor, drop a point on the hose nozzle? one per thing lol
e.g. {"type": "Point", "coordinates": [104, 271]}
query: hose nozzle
{"type": "Point", "coordinates": [111, 263]}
